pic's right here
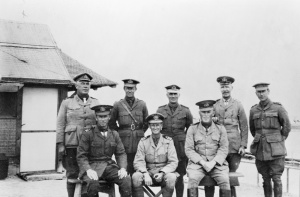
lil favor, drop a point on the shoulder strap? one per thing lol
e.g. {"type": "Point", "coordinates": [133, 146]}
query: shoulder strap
{"type": "Point", "coordinates": [125, 107]}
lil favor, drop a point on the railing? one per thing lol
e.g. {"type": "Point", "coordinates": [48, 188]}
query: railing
{"type": "Point", "coordinates": [289, 164]}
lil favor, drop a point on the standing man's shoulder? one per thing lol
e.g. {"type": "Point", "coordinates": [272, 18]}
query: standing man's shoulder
{"type": "Point", "coordinates": [162, 107]}
{"type": "Point", "coordinates": [141, 102]}
{"type": "Point", "coordinates": [88, 133]}
{"type": "Point", "coordinates": [185, 107]}
{"type": "Point", "coordinates": [254, 107]}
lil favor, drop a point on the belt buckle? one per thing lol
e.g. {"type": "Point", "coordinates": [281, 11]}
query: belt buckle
{"type": "Point", "coordinates": [132, 126]}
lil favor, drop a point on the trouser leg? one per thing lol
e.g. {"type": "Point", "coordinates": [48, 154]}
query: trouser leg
{"type": "Point", "coordinates": [130, 159]}
{"type": "Point", "coordinates": [192, 192]}
{"type": "Point", "coordinates": [110, 174]}
{"type": "Point", "coordinates": [225, 193]}
{"type": "Point", "coordinates": [137, 184]}
{"type": "Point", "coordinates": [264, 170]}
{"type": "Point", "coordinates": [234, 160]}
{"type": "Point", "coordinates": [195, 176]}
{"type": "Point", "coordinates": [209, 191]}
{"type": "Point", "coordinates": [221, 176]}
{"type": "Point", "coordinates": [276, 170]}
{"type": "Point", "coordinates": [168, 184]}
{"type": "Point", "coordinates": [181, 170]}
{"type": "Point", "coordinates": [72, 169]}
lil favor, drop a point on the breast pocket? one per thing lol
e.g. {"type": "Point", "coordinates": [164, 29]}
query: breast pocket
{"type": "Point", "coordinates": [124, 118]}
{"type": "Point", "coordinates": [139, 116]}
{"type": "Point", "coordinates": [96, 149]}
{"type": "Point", "coordinates": [257, 121]}
{"type": "Point", "coordinates": [181, 120]}
{"type": "Point", "coordinates": [272, 121]}
{"type": "Point", "coordinates": [113, 146]}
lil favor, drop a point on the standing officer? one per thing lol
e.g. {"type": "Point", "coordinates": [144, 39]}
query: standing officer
{"type": "Point", "coordinates": [73, 117]}
{"type": "Point", "coordinates": [230, 113]}
{"type": "Point", "coordinates": [96, 147]}
{"type": "Point", "coordinates": [177, 120]}
{"type": "Point", "coordinates": [206, 147]}
{"type": "Point", "coordinates": [155, 161]}
{"type": "Point", "coordinates": [130, 113]}
{"type": "Point", "coordinates": [270, 126]}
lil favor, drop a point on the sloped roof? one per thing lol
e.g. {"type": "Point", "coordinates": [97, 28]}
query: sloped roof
{"type": "Point", "coordinates": [35, 65]}
{"type": "Point", "coordinates": [13, 32]}
{"type": "Point", "coordinates": [74, 68]}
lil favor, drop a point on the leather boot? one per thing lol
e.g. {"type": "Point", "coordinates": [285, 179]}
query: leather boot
{"type": "Point", "coordinates": [193, 192]}
{"type": "Point", "coordinates": [267, 190]}
{"type": "Point", "coordinates": [225, 193]}
{"type": "Point", "coordinates": [209, 191]}
{"type": "Point", "coordinates": [137, 192]}
{"type": "Point", "coordinates": [233, 191]}
{"type": "Point", "coordinates": [179, 186]}
{"type": "Point", "coordinates": [167, 192]}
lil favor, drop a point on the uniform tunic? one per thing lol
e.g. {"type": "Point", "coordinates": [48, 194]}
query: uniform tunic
{"type": "Point", "coordinates": [130, 137]}
{"type": "Point", "coordinates": [95, 152]}
{"type": "Point", "coordinates": [73, 118]}
{"type": "Point", "coordinates": [211, 145]}
{"type": "Point", "coordinates": [233, 117]}
{"type": "Point", "coordinates": [269, 125]}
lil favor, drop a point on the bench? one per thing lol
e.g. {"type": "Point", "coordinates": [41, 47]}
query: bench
{"type": "Point", "coordinates": [106, 187]}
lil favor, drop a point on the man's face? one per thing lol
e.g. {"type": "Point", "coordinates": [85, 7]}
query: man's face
{"type": "Point", "coordinates": [226, 90]}
{"type": "Point", "coordinates": [129, 91]}
{"type": "Point", "coordinates": [102, 120]}
{"type": "Point", "coordinates": [262, 94]}
{"type": "Point", "coordinates": [83, 87]}
{"type": "Point", "coordinates": [173, 97]}
{"type": "Point", "coordinates": [206, 114]}
{"type": "Point", "coordinates": [155, 127]}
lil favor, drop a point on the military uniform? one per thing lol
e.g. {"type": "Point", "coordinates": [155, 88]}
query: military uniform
{"type": "Point", "coordinates": [95, 152]}
{"type": "Point", "coordinates": [153, 159]}
{"type": "Point", "coordinates": [73, 117]}
{"type": "Point", "coordinates": [175, 126]}
{"type": "Point", "coordinates": [270, 126]}
{"type": "Point", "coordinates": [207, 145]}
{"type": "Point", "coordinates": [129, 131]}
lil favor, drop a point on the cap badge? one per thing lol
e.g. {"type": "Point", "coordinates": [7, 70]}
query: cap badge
{"type": "Point", "coordinates": [206, 105]}
{"type": "Point", "coordinates": [224, 79]}
{"type": "Point", "coordinates": [155, 117]}
{"type": "Point", "coordinates": [102, 109]}
{"type": "Point", "coordinates": [173, 87]}
{"type": "Point", "coordinates": [129, 81]}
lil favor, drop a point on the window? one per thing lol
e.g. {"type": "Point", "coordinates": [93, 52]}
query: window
{"type": "Point", "coordinates": [8, 104]}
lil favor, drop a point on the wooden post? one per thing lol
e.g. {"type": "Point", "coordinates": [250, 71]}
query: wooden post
{"type": "Point", "coordinates": [287, 179]}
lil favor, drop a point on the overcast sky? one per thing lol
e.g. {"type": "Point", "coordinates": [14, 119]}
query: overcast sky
{"type": "Point", "coordinates": [185, 42]}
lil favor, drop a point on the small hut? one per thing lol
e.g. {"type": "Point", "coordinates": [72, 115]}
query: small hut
{"type": "Point", "coordinates": [35, 76]}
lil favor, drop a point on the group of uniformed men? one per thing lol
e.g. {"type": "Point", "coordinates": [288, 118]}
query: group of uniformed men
{"type": "Point", "coordinates": [89, 134]}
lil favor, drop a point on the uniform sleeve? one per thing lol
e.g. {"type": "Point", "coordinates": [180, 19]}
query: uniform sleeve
{"type": "Point", "coordinates": [172, 159]}
{"type": "Point", "coordinates": [223, 147]}
{"type": "Point", "coordinates": [284, 122]}
{"type": "Point", "coordinates": [61, 122]}
{"type": "Point", "coordinates": [139, 162]}
{"type": "Point", "coordinates": [120, 153]}
{"type": "Point", "coordinates": [189, 146]}
{"type": "Point", "coordinates": [189, 119]}
{"type": "Point", "coordinates": [145, 114]}
{"type": "Point", "coordinates": [243, 124]}
{"type": "Point", "coordinates": [82, 152]}
{"type": "Point", "coordinates": [251, 123]}
{"type": "Point", "coordinates": [112, 124]}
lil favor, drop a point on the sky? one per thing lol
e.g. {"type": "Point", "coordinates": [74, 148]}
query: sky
{"type": "Point", "coordinates": [184, 42]}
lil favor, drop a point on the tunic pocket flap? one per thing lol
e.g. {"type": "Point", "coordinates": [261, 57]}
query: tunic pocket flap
{"type": "Point", "coordinates": [256, 116]}
{"type": "Point", "coordinates": [181, 116]}
{"type": "Point", "coordinates": [113, 144]}
{"type": "Point", "coordinates": [274, 138]}
{"type": "Point", "coordinates": [139, 113]}
{"type": "Point", "coordinates": [271, 114]}
{"type": "Point", "coordinates": [256, 138]}
{"type": "Point", "coordinates": [70, 128]}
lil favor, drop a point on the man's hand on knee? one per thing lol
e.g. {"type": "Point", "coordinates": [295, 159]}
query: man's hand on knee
{"type": "Point", "coordinates": [92, 174]}
{"type": "Point", "coordinates": [210, 165]}
{"type": "Point", "coordinates": [122, 173]}
{"type": "Point", "coordinates": [147, 179]}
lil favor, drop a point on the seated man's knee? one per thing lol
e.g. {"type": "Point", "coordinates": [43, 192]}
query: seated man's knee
{"type": "Point", "coordinates": [137, 179]}
{"type": "Point", "coordinates": [170, 179]}
{"type": "Point", "coordinates": [194, 179]}
{"type": "Point", "coordinates": [223, 182]}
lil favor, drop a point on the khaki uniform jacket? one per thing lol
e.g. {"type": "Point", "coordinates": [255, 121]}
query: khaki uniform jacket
{"type": "Point", "coordinates": [129, 137]}
{"type": "Point", "coordinates": [207, 146]}
{"type": "Point", "coordinates": [175, 125]}
{"type": "Point", "coordinates": [234, 119]}
{"type": "Point", "coordinates": [95, 151]}
{"type": "Point", "coordinates": [268, 126]}
{"type": "Point", "coordinates": [156, 158]}
{"type": "Point", "coordinates": [73, 117]}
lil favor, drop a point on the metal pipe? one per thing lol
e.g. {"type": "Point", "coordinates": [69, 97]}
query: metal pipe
{"type": "Point", "coordinates": [257, 179]}
{"type": "Point", "coordinates": [287, 179]}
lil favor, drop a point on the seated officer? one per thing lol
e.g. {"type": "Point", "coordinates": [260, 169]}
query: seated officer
{"type": "Point", "coordinates": [206, 146]}
{"type": "Point", "coordinates": [96, 147]}
{"type": "Point", "coordinates": [155, 161]}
